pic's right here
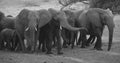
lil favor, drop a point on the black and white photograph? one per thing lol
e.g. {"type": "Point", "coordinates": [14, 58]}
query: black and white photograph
{"type": "Point", "coordinates": [59, 31]}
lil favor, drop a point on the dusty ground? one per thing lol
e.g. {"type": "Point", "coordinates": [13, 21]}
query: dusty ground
{"type": "Point", "coordinates": [76, 55]}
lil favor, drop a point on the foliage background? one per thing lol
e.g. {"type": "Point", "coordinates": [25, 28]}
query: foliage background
{"type": "Point", "coordinates": [114, 5]}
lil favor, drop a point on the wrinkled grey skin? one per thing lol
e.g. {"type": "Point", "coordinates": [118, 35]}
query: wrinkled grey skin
{"type": "Point", "coordinates": [28, 24]}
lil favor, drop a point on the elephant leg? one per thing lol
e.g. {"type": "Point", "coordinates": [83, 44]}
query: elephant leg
{"type": "Point", "coordinates": [84, 39]}
{"type": "Point", "coordinates": [36, 38]}
{"type": "Point", "coordinates": [69, 37]}
{"type": "Point", "coordinates": [21, 42]}
{"type": "Point", "coordinates": [13, 43]}
{"type": "Point", "coordinates": [44, 46]}
{"type": "Point", "coordinates": [43, 43]}
{"type": "Point", "coordinates": [8, 45]}
{"type": "Point", "coordinates": [59, 44]}
{"type": "Point", "coordinates": [98, 43]}
{"type": "Point", "coordinates": [12, 46]}
{"type": "Point", "coordinates": [41, 38]}
{"type": "Point", "coordinates": [17, 44]}
{"type": "Point", "coordinates": [18, 47]}
{"type": "Point", "coordinates": [2, 46]}
{"type": "Point", "coordinates": [49, 43]}
{"type": "Point", "coordinates": [72, 39]}
{"type": "Point", "coordinates": [54, 41]}
{"type": "Point", "coordinates": [65, 44]}
{"type": "Point", "coordinates": [64, 38]}
{"type": "Point", "coordinates": [40, 43]}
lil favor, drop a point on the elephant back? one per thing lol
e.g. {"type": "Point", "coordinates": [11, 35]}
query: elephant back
{"type": "Point", "coordinates": [44, 17]}
{"type": "Point", "coordinates": [8, 23]}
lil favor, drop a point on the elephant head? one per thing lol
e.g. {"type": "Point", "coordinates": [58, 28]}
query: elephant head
{"type": "Point", "coordinates": [62, 18]}
{"type": "Point", "coordinates": [108, 20]}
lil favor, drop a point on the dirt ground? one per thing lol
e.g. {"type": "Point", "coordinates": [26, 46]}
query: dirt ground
{"type": "Point", "coordinates": [76, 55]}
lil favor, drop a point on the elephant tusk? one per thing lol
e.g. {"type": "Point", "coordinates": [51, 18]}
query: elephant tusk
{"type": "Point", "coordinates": [27, 29]}
{"type": "Point", "coordinates": [35, 28]}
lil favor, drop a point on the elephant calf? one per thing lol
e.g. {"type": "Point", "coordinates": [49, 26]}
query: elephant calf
{"type": "Point", "coordinates": [8, 39]}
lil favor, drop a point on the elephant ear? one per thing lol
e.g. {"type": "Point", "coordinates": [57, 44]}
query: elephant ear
{"type": "Point", "coordinates": [103, 18]}
{"type": "Point", "coordinates": [105, 15]}
{"type": "Point", "coordinates": [1, 15]}
{"type": "Point", "coordinates": [109, 12]}
{"type": "Point", "coordinates": [53, 12]}
{"type": "Point", "coordinates": [23, 14]}
{"type": "Point", "coordinates": [22, 17]}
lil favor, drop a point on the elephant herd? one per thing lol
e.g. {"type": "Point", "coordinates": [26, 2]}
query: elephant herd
{"type": "Point", "coordinates": [43, 29]}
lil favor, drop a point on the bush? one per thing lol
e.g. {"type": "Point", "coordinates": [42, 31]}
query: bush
{"type": "Point", "coordinates": [114, 5]}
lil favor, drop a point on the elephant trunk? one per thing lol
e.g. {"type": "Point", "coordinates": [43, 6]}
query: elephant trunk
{"type": "Point", "coordinates": [111, 30]}
{"type": "Point", "coordinates": [110, 37]}
{"type": "Point", "coordinates": [66, 25]}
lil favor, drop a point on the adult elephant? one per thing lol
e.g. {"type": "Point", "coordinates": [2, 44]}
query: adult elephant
{"type": "Point", "coordinates": [94, 19]}
{"type": "Point", "coordinates": [28, 24]}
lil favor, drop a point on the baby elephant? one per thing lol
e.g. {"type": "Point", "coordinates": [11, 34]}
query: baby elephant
{"type": "Point", "coordinates": [7, 39]}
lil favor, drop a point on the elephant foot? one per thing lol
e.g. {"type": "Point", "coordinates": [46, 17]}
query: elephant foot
{"type": "Point", "coordinates": [78, 43]}
{"type": "Point", "coordinates": [49, 52]}
{"type": "Point", "coordinates": [30, 52]}
{"type": "Point", "coordinates": [82, 46]}
{"type": "Point", "coordinates": [99, 49]}
{"type": "Point", "coordinates": [65, 46]}
{"type": "Point", "coordinates": [54, 46]}
{"type": "Point", "coordinates": [12, 49]}
{"type": "Point", "coordinates": [43, 50]}
{"type": "Point", "coordinates": [60, 53]}
{"type": "Point", "coordinates": [87, 44]}
{"type": "Point", "coordinates": [1, 48]}
{"type": "Point", "coordinates": [72, 47]}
